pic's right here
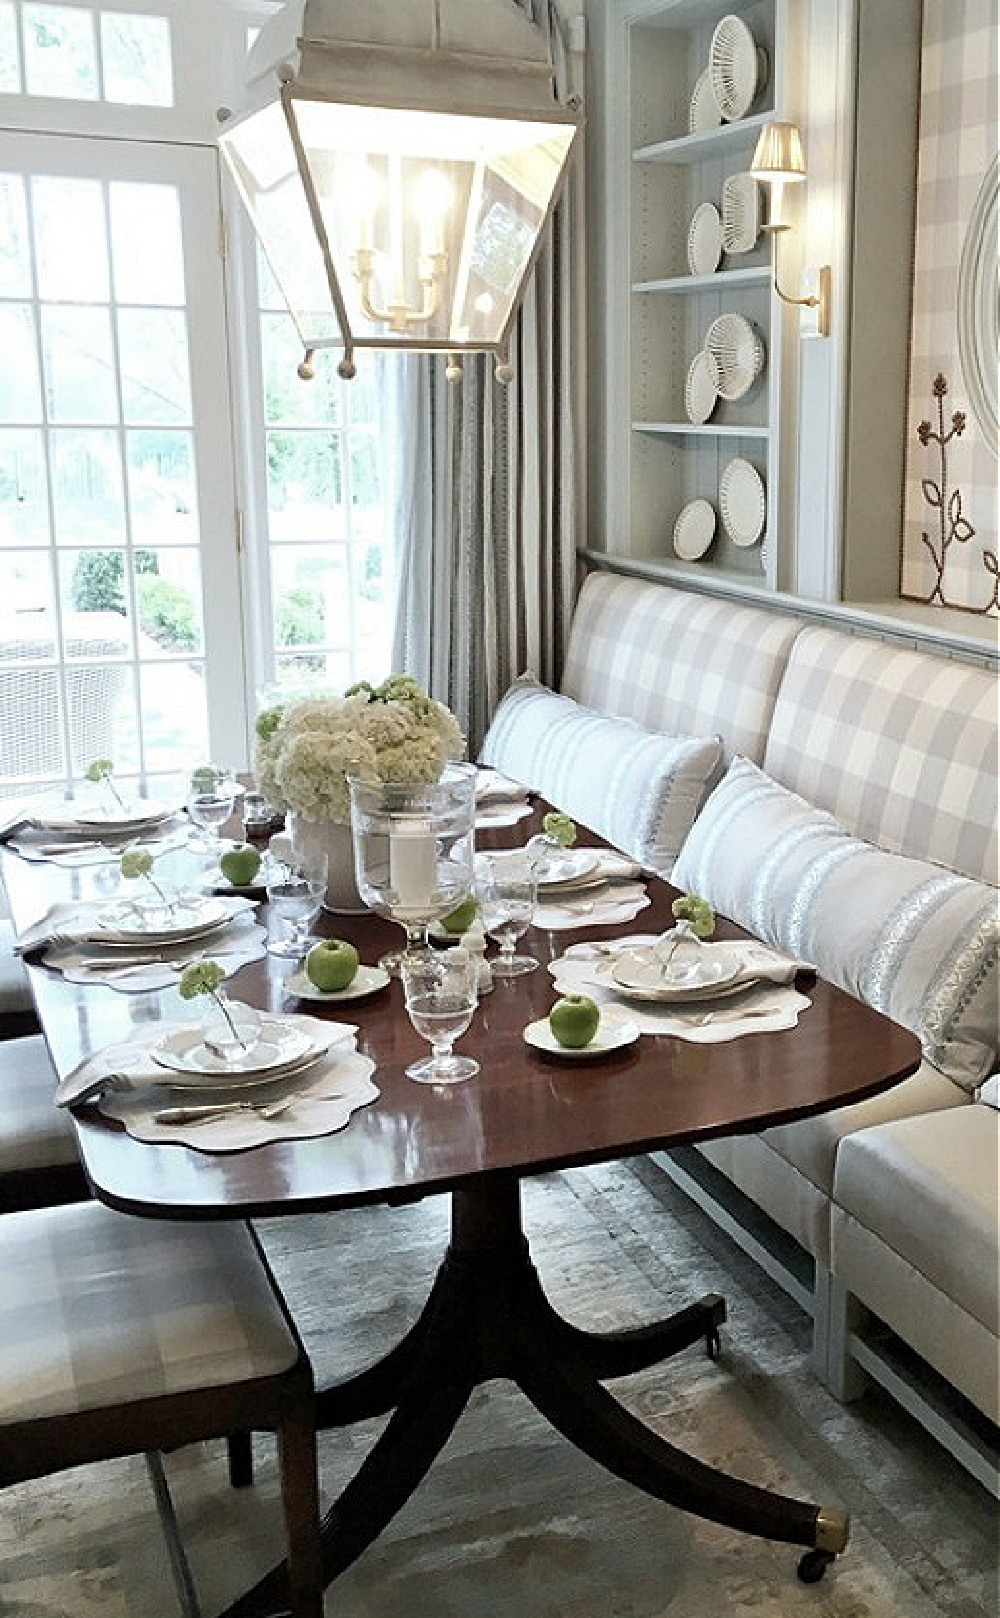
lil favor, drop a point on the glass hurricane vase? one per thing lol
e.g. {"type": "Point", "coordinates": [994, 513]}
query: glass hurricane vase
{"type": "Point", "coordinates": [413, 850]}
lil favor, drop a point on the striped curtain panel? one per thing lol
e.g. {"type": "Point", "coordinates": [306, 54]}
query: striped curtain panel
{"type": "Point", "coordinates": [484, 503]}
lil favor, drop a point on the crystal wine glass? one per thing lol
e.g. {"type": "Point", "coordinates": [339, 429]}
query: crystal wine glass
{"type": "Point", "coordinates": [507, 887]}
{"type": "Point", "coordinates": [211, 794]}
{"type": "Point", "coordinates": [413, 850]}
{"type": "Point", "coordinates": [441, 996]}
{"type": "Point", "coordinates": [296, 885]}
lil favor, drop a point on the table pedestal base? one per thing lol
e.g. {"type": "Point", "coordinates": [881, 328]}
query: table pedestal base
{"type": "Point", "coordinates": [487, 1317]}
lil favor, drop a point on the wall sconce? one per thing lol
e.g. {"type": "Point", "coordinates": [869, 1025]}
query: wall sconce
{"type": "Point", "coordinates": [400, 163]}
{"type": "Point", "coordinates": [778, 160]}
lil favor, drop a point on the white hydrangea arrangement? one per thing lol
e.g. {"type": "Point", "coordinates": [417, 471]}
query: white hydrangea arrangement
{"type": "Point", "coordinates": [394, 732]}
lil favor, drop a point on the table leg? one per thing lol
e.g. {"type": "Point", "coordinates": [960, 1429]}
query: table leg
{"type": "Point", "coordinates": [487, 1316]}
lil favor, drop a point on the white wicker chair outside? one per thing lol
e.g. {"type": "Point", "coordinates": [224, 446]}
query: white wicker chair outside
{"type": "Point", "coordinates": [32, 746]}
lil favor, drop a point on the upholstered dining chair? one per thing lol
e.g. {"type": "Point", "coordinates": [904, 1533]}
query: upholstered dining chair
{"type": "Point", "coordinates": [39, 1163]}
{"type": "Point", "coordinates": [17, 1010]}
{"type": "Point", "coordinates": [121, 1335]}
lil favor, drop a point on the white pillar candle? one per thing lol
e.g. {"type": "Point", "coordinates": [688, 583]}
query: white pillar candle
{"type": "Point", "coordinates": [412, 866]}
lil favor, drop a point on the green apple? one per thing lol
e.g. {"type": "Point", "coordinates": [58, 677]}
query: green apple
{"type": "Point", "coordinates": [573, 1021]}
{"type": "Point", "coordinates": [332, 964]}
{"type": "Point", "coordinates": [240, 864]}
{"type": "Point", "coordinates": [461, 918]}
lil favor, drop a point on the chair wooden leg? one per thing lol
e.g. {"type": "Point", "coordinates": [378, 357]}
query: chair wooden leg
{"type": "Point", "coordinates": [240, 1448]}
{"type": "Point", "coordinates": [300, 1497]}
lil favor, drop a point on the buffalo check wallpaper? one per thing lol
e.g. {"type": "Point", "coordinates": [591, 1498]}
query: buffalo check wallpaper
{"type": "Point", "coordinates": [949, 540]}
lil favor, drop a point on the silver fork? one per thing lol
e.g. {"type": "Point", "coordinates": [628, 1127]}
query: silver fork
{"type": "Point", "coordinates": [702, 1019]}
{"type": "Point", "coordinates": [224, 1109]}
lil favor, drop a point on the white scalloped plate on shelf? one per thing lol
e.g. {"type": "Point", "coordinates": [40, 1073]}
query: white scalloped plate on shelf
{"type": "Point", "coordinates": [704, 110]}
{"type": "Point", "coordinates": [738, 351]}
{"type": "Point", "coordinates": [704, 244]}
{"type": "Point", "coordinates": [701, 387]}
{"type": "Point", "coordinates": [694, 529]}
{"type": "Point", "coordinates": [737, 67]}
{"type": "Point", "coordinates": [743, 502]}
{"type": "Point", "coordinates": [740, 212]}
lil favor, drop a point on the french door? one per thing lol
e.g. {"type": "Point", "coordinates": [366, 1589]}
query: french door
{"type": "Point", "coordinates": [119, 538]}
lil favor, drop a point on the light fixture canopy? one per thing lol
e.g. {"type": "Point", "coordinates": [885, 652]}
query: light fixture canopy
{"type": "Point", "coordinates": [400, 160]}
{"type": "Point", "coordinates": [778, 159]}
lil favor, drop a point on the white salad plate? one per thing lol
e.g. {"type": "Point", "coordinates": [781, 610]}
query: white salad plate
{"type": "Point", "coordinates": [737, 66]}
{"type": "Point", "coordinates": [701, 387]}
{"type": "Point", "coordinates": [641, 972]}
{"type": "Point", "coordinates": [91, 818]}
{"type": "Point", "coordinates": [694, 529]}
{"type": "Point", "coordinates": [703, 112]}
{"type": "Point", "coordinates": [738, 353]}
{"type": "Point", "coordinates": [740, 213]}
{"type": "Point", "coordinates": [282, 1048]}
{"type": "Point", "coordinates": [568, 869]}
{"type": "Point", "coordinates": [120, 923]}
{"type": "Point", "coordinates": [613, 1034]}
{"type": "Point", "coordinates": [704, 243]}
{"type": "Point", "coordinates": [743, 502]}
{"type": "Point", "coordinates": [367, 980]}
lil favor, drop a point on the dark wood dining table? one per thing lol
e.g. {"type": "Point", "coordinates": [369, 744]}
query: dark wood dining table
{"type": "Point", "coordinates": [525, 1113]}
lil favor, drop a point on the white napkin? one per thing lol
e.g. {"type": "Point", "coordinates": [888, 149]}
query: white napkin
{"type": "Point", "coordinates": [134, 1068]}
{"type": "Point", "coordinates": [705, 1022]}
{"type": "Point", "coordinates": [243, 941]}
{"type": "Point", "coordinates": [79, 922]}
{"type": "Point", "coordinates": [492, 787]}
{"type": "Point", "coordinates": [35, 843]}
{"type": "Point", "coordinates": [761, 963]}
{"type": "Point", "coordinates": [502, 814]}
{"type": "Point", "coordinates": [609, 906]}
{"type": "Point", "coordinates": [989, 1091]}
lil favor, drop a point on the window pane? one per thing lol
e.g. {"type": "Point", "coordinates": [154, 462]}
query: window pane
{"type": "Point", "coordinates": [136, 57]}
{"type": "Point", "coordinates": [24, 513]}
{"type": "Point", "coordinates": [288, 401]}
{"type": "Point", "coordinates": [70, 240]}
{"type": "Point", "coordinates": [95, 597]}
{"type": "Point", "coordinates": [21, 394]}
{"type": "Point", "coordinates": [28, 598]}
{"type": "Point", "coordinates": [161, 488]}
{"type": "Point", "coordinates": [146, 244]}
{"type": "Point", "coordinates": [156, 384]}
{"type": "Point", "coordinates": [79, 364]}
{"type": "Point", "coordinates": [15, 265]}
{"type": "Point", "coordinates": [305, 486]}
{"type": "Point", "coordinates": [174, 715]}
{"type": "Point", "coordinates": [60, 56]}
{"type": "Point", "coordinates": [88, 498]}
{"type": "Point", "coordinates": [168, 591]}
{"type": "Point", "coordinates": [10, 75]}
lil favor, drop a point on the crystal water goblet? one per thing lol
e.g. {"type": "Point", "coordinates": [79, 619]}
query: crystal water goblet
{"type": "Point", "coordinates": [211, 794]}
{"type": "Point", "coordinates": [507, 889]}
{"type": "Point", "coordinates": [440, 990]}
{"type": "Point", "coordinates": [296, 885]}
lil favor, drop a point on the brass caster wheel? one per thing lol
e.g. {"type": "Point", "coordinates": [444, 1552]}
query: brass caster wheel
{"type": "Point", "coordinates": [813, 1565]}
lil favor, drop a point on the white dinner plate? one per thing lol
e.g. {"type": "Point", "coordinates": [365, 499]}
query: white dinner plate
{"type": "Point", "coordinates": [640, 972]}
{"type": "Point", "coordinates": [367, 980]}
{"type": "Point", "coordinates": [281, 1047]}
{"type": "Point", "coordinates": [694, 529]}
{"type": "Point", "coordinates": [613, 1034]}
{"type": "Point", "coordinates": [195, 917]}
{"type": "Point", "coordinates": [142, 813]}
{"type": "Point", "coordinates": [701, 387]}
{"type": "Point", "coordinates": [743, 502]}
{"type": "Point", "coordinates": [704, 243]}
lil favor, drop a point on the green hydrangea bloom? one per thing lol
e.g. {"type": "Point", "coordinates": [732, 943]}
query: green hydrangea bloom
{"type": "Point", "coordinates": [201, 977]}
{"type": "Point", "coordinates": [697, 912]}
{"type": "Point", "coordinates": [98, 769]}
{"type": "Point", "coordinates": [136, 862]}
{"type": "Point", "coordinates": [560, 828]}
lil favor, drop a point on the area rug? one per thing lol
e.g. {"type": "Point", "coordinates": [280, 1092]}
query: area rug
{"type": "Point", "coordinates": [512, 1522]}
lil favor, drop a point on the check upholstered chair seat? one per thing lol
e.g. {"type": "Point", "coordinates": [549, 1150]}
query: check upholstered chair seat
{"type": "Point", "coordinates": [121, 1335]}
{"type": "Point", "coordinates": [39, 1163]}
